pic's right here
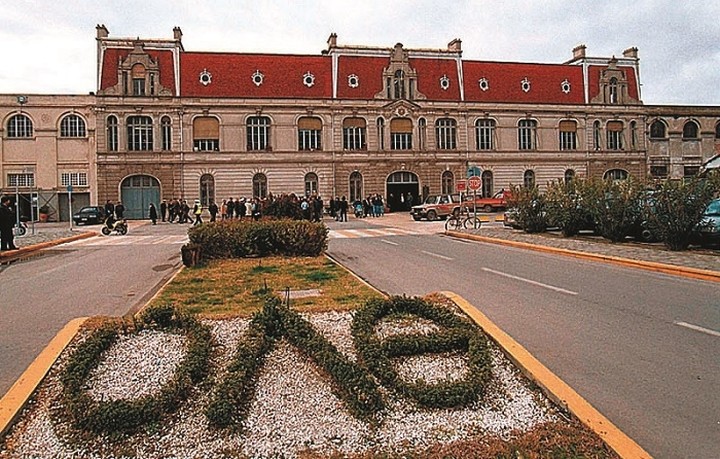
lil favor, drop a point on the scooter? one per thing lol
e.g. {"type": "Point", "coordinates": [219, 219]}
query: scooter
{"type": "Point", "coordinates": [117, 226]}
{"type": "Point", "coordinates": [20, 230]}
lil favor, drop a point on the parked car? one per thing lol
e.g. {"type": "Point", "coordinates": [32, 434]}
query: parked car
{"type": "Point", "coordinates": [89, 215]}
{"type": "Point", "coordinates": [708, 230]}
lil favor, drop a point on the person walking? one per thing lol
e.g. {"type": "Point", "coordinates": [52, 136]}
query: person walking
{"type": "Point", "coordinates": [163, 209]}
{"type": "Point", "coordinates": [197, 211]}
{"type": "Point", "coordinates": [119, 210]}
{"type": "Point", "coordinates": [213, 209]}
{"type": "Point", "coordinates": [7, 221]}
{"type": "Point", "coordinates": [153, 214]}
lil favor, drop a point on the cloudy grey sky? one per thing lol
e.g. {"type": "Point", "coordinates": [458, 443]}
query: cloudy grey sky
{"type": "Point", "coordinates": [48, 46]}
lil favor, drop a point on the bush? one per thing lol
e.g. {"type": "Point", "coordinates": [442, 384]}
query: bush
{"type": "Point", "coordinates": [285, 206]}
{"type": "Point", "coordinates": [567, 206]}
{"type": "Point", "coordinates": [245, 238]}
{"type": "Point", "coordinates": [678, 208]}
{"type": "Point", "coordinates": [529, 206]}
{"type": "Point", "coordinates": [123, 416]}
{"type": "Point", "coordinates": [615, 206]}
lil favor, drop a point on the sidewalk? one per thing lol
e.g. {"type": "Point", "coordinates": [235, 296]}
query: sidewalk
{"type": "Point", "coordinates": [46, 235]}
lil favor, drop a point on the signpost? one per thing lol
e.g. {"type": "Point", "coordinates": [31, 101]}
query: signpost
{"type": "Point", "coordinates": [474, 183]}
{"type": "Point", "coordinates": [69, 190]}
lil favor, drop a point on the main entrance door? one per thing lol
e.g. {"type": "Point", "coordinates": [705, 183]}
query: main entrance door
{"type": "Point", "coordinates": [137, 192]}
{"type": "Point", "coordinates": [402, 191]}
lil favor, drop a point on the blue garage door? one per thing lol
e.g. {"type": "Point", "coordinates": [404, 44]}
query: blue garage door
{"type": "Point", "coordinates": [137, 192]}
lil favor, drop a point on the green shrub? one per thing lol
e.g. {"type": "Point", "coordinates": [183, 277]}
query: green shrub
{"type": "Point", "coordinates": [285, 206]}
{"type": "Point", "coordinates": [123, 416]}
{"type": "Point", "coordinates": [456, 334]}
{"type": "Point", "coordinates": [245, 238]}
{"type": "Point", "coordinates": [678, 207]}
{"type": "Point", "coordinates": [615, 206]}
{"type": "Point", "coordinates": [566, 206]}
{"type": "Point", "coordinates": [529, 207]}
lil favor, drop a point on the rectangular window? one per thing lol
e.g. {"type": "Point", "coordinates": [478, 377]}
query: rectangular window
{"type": "Point", "coordinates": [138, 86]}
{"type": "Point", "coordinates": [309, 139]}
{"type": "Point", "coordinates": [526, 135]}
{"type": "Point", "coordinates": [74, 179]}
{"type": "Point", "coordinates": [659, 171]}
{"type": "Point", "coordinates": [354, 138]}
{"type": "Point", "coordinates": [206, 145]}
{"type": "Point", "coordinates": [484, 133]}
{"type": "Point", "coordinates": [445, 131]}
{"type": "Point", "coordinates": [401, 141]}
{"type": "Point", "coordinates": [690, 171]}
{"type": "Point", "coordinates": [21, 180]}
{"type": "Point", "coordinates": [258, 134]}
{"type": "Point", "coordinates": [614, 135]}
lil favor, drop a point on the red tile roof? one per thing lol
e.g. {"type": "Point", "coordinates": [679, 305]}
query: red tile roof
{"type": "Point", "coordinates": [505, 82]}
{"type": "Point", "coordinates": [594, 80]}
{"type": "Point", "coordinates": [369, 72]}
{"type": "Point", "coordinates": [111, 59]}
{"type": "Point", "coordinates": [232, 75]}
{"type": "Point", "coordinates": [431, 71]}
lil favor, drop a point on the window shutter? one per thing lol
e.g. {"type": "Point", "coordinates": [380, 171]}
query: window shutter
{"type": "Point", "coordinates": [568, 126]}
{"type": "Point", "coordinates": [206, 128]}
{"type": "Point", "coordinates": [354, 122]}
{"type": "Point", "coordinates": [401, 125]}
{"type": "Point", "coordinates": [309, 124]}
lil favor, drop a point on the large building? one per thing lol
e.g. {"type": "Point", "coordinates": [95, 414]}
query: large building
{"type": "Point", "coordinates": [352, 120]}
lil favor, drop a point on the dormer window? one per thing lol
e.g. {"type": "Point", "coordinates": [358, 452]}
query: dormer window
{"type": "Point", "coordinates": [613, 90]}
{"type": "Point", "coordinates": [399, 78]}
{"type": "Point", "coordinates": [138, 80]}
{"type": "Point", "coordinates": [399, 85]}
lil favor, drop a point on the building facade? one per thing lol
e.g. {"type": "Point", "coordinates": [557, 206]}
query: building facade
{"type": "Point", "coordinates": [355, 120]}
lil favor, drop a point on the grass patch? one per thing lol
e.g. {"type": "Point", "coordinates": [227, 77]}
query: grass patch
{"type": "Point", "coordinates": [234, 287]}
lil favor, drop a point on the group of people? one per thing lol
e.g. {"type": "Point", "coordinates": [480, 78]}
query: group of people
{"type": "Point", "coordinates": [238, 208]}
{"type": "Point", "coordinates": [179, 211]}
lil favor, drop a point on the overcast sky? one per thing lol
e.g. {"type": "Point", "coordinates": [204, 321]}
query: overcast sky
{"type": "Point", "coordinates": [48, 46]}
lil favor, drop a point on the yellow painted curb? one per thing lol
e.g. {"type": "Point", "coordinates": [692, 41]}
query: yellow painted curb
{"type": "Point", "coordinates": [553, 386]}
{"type": "Point", "coordinates": [695, 273]}
{"type": "Point", "coordinates": [15, 399]}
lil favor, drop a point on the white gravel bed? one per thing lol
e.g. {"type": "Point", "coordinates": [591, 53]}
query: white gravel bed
{"type": "Point", "coordinates": [294, 408]}
{"type": "Point", "coordinates": [125, 374]}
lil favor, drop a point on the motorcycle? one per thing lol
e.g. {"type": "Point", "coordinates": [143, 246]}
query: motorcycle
{"type": "Point", "coordinates": [20, 230]}
{"type": "Point", "coordinates": [117, 226]}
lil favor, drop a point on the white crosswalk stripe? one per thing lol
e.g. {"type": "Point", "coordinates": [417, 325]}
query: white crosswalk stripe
{"type": "Point", "coordinates": [369, 232]}
{"type": "Point", "coordinates": [133, 240]}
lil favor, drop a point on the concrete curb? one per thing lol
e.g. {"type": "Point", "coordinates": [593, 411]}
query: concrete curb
{"type": "Point", "coordinates": [18, 395]}
{"type": "Point", "coordinates": [703, 274]}
{"type": "Point", "coordinates": [553, 386]}
{"type": "Point", "coordinates": [11, 255]}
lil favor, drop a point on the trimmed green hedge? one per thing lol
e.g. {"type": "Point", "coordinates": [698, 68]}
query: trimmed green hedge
{"type": "Point", "coordinates": [246, 238]}
{"type": "Point", "coordinates": [119, 416]}
{"type": "Point", "coordinates": [231, 401]}
{"type": "Point", "coordinates": [455, 334]}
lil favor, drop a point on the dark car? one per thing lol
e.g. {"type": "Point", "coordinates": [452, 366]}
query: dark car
{"type": "Point", "coordinates": [89, 215]}
{"type": "Point", "coordinates": [708, 230]}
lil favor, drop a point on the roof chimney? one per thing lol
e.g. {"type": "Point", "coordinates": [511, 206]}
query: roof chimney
{"type": "Point", "coordinates": [177, 33]}
{"type": "Point", "coordinates": [455, 45]}
{"type": "Point", "coordinates": [631, 53]}
{"type": "Point", "coordinates": [332, 40]}
{"type": "Point", "coordinates": [579, 52]}
{"type": "Point", "coordinates": [102, 31]}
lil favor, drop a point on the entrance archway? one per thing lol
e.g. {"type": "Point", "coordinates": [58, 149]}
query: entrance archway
{"type": "Point", "coordinates": [136, 194]}
{"type": "Point", "coordinates": [403, 189]}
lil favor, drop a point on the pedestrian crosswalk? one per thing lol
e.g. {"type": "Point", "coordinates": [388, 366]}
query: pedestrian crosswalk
{"type": "Point", "coordinates": [369, 232]}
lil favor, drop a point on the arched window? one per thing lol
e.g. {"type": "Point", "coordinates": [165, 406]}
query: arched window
{"type": "Point", "coordinates": [616, 174]}
{"type": "Point", "coordinates": [354, 130]}
{"type": "Point", "coordinates": [615, 135]}
{"type": "Point", "coordinates": [72, 126]}
{"type": "Point", "coordinates": [166, 131]}
{"type": "Point", "coordinates": [690, 131]}
{"type": "Point", "coordinates": [527, 131]}
{"type": "Point", "coordinates": [356, 186]}
{"type": "Point", "coordinates": [207, 189]}
{"type": "Point", "coordinates": [447, 182]}
{"type": "Point", "coordinates": [399, 85]}
{"type": "Point", "coordinates": [596, 135]}
{"type": "Point", "coordinates": [311, 184]}
{"type": "Point", "coordinates": [380, 123]}
{"type": "Point", "coordinates": [485, 134]}
{"type": "Point", "coordinates": [613, 90]}
{"type": "Point", "coordinates": [260, 187]}
{"type": "Point", "coordinates": [529, 179]}
{"type": "Point", "coordinates": [422, 132]}
{"type": "Point", "coordinates": [488, 184]}
{"type": "Point", "coordinates": [658, 130]}
{"type": "Point", "coordinates": [401, 134]}
{"type": "Point", "coordinates": [206, 133]}
{"type": "Point", "coordinates": [112, 133]}
{"type": "Point", "coordinates": [140, 133]}
{"type": "Point", "coordinates": [445, 133]}
{"type": "Point", "coordinates": [568, 135]}
{"type": "Point", "coordinates": [633, 135]}
{"type": "Point", "coordinates": [138, 80]}
{"type": "Point", "coordinates": [309, 133]}
{"type": "Point", "coordinates": [258, 133]}
{"type": "Point", "coordinates": [569, 175]}
{"type": "Point", "coordinates": [19, 126]}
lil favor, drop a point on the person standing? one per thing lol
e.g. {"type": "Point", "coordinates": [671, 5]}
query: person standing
{"type": "Point", "coordinates": [109, 208]}
{"type": "Point", "coordinates": [153, 214]}
{"type": "Point", "coordinates": [119, 210]}
{"type": "Point", "coordinates": [343, 209]}
{"type": "Point", "coordinates": [213, 209]}
{"type": "Point", "coordinates": [163, 209]}
{"type": "Point", "coordinates": [7, 221]}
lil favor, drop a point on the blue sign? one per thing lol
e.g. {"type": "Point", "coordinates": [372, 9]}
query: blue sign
{"type": "Point", "coordinates": [473, 171]}
{"type": "Point", "coordinates": [69, 188]}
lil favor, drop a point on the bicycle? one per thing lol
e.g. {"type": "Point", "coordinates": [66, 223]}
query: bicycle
{"type": "Point", "coordinates": [462, 220]}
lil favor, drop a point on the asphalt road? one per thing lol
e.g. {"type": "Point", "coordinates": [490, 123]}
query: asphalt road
{"type": "Point", "coordinates": [642, 347]}
{"type": "Point", "coordinates": [104, 275]}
